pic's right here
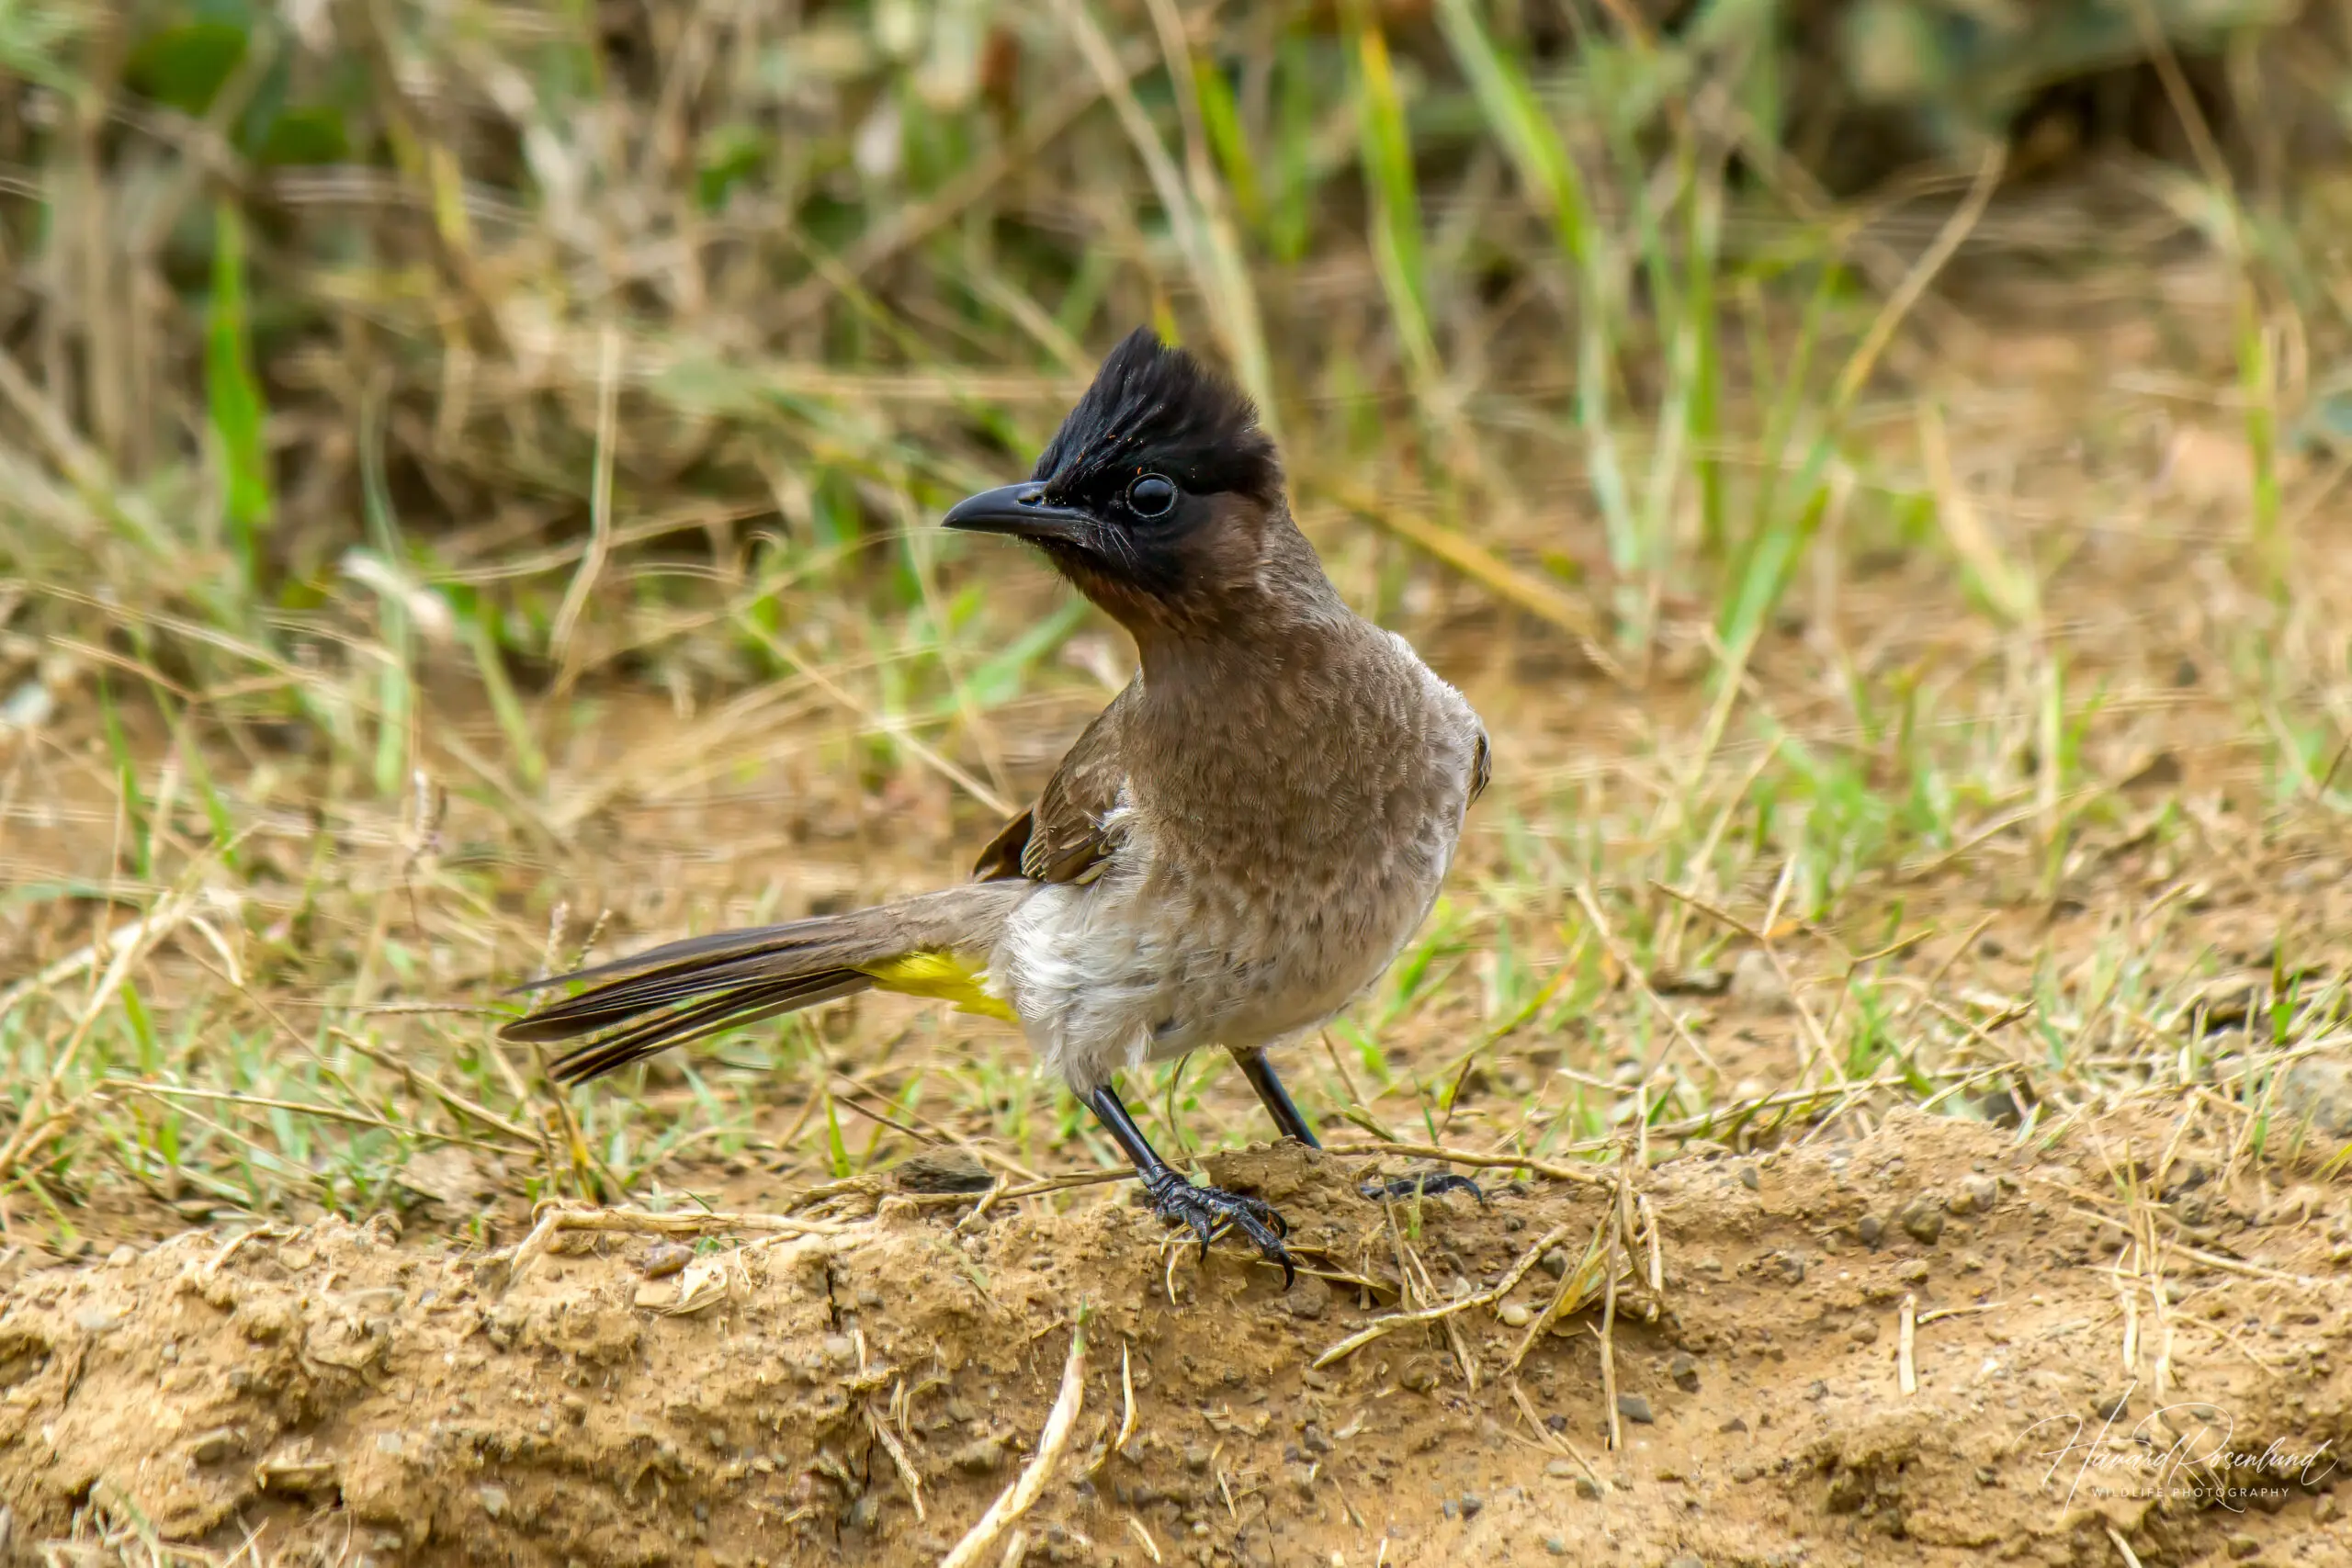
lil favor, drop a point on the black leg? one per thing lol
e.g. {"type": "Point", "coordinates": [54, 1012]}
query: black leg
{"type": "Point", "coordinates": [1275, 1098]}
{"type": "Point", "coordinates": [1205, 1209]}
{"type": "Point", "coordinates": [1285, 1112]}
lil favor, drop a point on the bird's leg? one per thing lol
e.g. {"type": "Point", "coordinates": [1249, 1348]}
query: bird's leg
{"type": "Point", "coordinates": [1205, 1209]}
{"type": "Point", "coordinates": [1275, 1098]}
{"type": "Point", "coordinates": [1287, 1116]}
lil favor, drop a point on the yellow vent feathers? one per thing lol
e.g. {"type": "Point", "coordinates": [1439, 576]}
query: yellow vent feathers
{"type": "Point", "coordinates": [940, 974]}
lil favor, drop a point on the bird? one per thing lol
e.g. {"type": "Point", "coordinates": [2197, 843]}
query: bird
{"type": "Point", "coordinates": [1236, 847]}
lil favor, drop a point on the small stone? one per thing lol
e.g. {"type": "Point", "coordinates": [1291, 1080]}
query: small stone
{"type": "Point", "coordinates": [1988, 1476]}
{"type": "Point", "coordinates": [1683, 1368]}
{"type": "Point", "coordinates": [1912, 1271]}
{"type": "Point", "coordinates": [1557, 1422]}
{"type": "Point", "coordinates": [1755, 980]}
{"type": "Point", "coordinates": [655, 1294]}
{"type": "Point", "coordinates": [1864, 1332]}
{"type": "Point", "coordinates": [121, 1255]}
{"type": "Point", "coordinates": [1635, 1407]}
{"type": "Point", "coordinates": [2110, 1405]}
{"type": "Point", "coordinates": [1560, 1470]}
{"type": "Point", "coordinates": [388, 1443]}
{"type": "Point", "coordinates": [96, 1319]}
{"type": "Point", "coordinates": [1816, 1391]}
{"type": "Point", "coordinates": [941, 1170]}
{"type": "Point", "coordinates": [2243, 1546]}
{"type": "Point", "coordinates": [1471, 1504]}
{"type": "Point", "coordinates": [1197, 1460]}
{"type": "Point", "coordinates": [1557, 1546]}
{"type": "Point", "coordinates": [1979, 1194]}
{"type": "Point", "coordinates": [1791, 1266]}
{"type": "Point", "coordinates": [1870, 1228]}
{"type": "Point", "coordinates": [1555, 1263]}
{"type": "Point", "coordinates": [1737, 1423]}
{"type": "Point", "coordinates": [1588, 1488]}
{"type": "Point", "coordinates": [212, 1447]}
{"type": "Point", "coordinates": [666, 1259]}
{"type": "Point", "coordinates": [494, 1501]}
{"type": "Point", "coordinates": [1308, 1298]}
{"type": "Point", "coordinates": [1923, 1221]}
{"type": "Point", "coordinates": [1749, 1179]}
{"type": "Point", "coordinates": [1686, 1561]}
{"type": "Point", "coordinates": [981, 1456]}
{"type": "Point", "coordinates": [1420, 1374]}
{"type": "Point", "coordinates": [2325, 1510]}
{"type": "Point", "coordinates": [1515, 1315]}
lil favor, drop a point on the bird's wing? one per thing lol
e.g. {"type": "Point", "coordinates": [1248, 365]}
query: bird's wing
{"type": "Point", "coordinates": [1063, 838]}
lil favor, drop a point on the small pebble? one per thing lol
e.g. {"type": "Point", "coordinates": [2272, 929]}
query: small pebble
{"type": "Point", "coordinates": [666, 1259]}
{"type": "Point", "coordinates": [1870, 1228]}
{"type": "Point", "coordinates": [1197, 1460]}
{"type": "Point", "coordinates": [1635, 1407]}
{"type": "Point", "coordinates": [981, 1456]}
{"type": "Point", "coordinates": [1684, 1369]}
{"type": "Point", "coordinates": [1560, 1470]}
{"type": "Point", "coordinates": [1588, 1488]}
{"type": "Point", "coordinates": [1555, 1263]}
{"type": "Point", "coordinates": [494, 1501]}
{"type": "Point", "coordinates": [1471, 1504]}
{"type": "Point", "coordinates": [1555, 1545]}
{"type": "Point", "coordinates": [1924, 1221]}
{"type": "Point", "coordinates": [1515, 1315]}
{"type": "Point", "coordinates": [2243, 1546]}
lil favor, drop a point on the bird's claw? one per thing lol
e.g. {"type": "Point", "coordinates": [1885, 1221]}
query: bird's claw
{"type": "Point", "coordinates": [1421, 1184]}
{"type": "Point", "coordinates": [1208, 1210]}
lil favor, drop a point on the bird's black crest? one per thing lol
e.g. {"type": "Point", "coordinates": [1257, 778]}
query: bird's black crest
{"type": "Point", "coordinates": [1157, 409]}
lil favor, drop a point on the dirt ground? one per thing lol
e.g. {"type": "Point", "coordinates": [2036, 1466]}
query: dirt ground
{"type": "Point", "coordinates": [348, 1393]}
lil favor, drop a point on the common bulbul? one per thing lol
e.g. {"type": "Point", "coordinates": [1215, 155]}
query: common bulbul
{"type": "Point", "coordinates": [1236, 847]}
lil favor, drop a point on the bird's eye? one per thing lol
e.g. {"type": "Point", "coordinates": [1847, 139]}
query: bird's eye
{"type": "Point", "coordinates": [1151, 496]}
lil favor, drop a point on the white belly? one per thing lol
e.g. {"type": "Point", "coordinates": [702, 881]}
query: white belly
{"type": "Point", "coordinates": [1130, 969]}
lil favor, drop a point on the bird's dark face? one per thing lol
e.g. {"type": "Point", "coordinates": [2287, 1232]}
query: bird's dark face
{"type": "Point", "coordinates": [1156, 493]}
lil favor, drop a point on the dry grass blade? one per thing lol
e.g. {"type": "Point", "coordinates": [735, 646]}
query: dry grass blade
{"type": "Point", "coordinates": [34, 1120]}
{"type": "Point", "coordinates": [1502, 1287]}
{"type": "Point", "coordinates": [1582, 1175]}
{"type": "Point", "coordinates": [1030, 1485]}
{"type": "Point", "coordinates": [1906, 1340]}
{"type": "Point", "coordinates": [554, 1220]}
{"type": "Point", "coordinates": [899, 1461]}
{"type": "Point", "coordinates": [1473, 560]}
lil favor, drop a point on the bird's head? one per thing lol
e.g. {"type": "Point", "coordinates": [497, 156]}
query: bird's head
{"type": "Point", "coordinates": [1159, 497]}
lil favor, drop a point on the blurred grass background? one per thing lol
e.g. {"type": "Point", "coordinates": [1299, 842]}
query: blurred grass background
{"type": "Point", "coordinates": [469, 465]}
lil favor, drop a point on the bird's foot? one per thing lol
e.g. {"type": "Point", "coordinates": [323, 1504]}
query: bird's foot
{"type": "Point", "coordinates": [1421, 1184]}
{"type": "Point", "coordinates": [1212, 1208]}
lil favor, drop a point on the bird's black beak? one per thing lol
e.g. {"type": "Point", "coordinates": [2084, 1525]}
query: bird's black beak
{"type": "Point", "coordinates": [1021, 511]}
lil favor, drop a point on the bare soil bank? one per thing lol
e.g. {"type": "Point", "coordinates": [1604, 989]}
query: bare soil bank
{"type": "Point", "coordinates": [349, 1394]}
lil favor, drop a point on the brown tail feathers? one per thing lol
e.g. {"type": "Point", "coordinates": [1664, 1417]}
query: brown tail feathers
{"type": "Point", "coordinates": [688, 989]}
